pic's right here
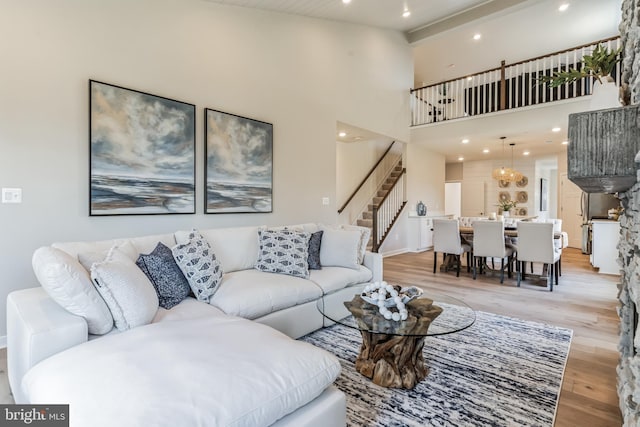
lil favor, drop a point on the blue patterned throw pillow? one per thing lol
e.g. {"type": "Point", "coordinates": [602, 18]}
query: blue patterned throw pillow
{"type": "Point", "coordinates": [165, 275]}
{"type": "Point", "coordinates": [284, 251]}
{"type": "Point", "coordinates": [199, 265]}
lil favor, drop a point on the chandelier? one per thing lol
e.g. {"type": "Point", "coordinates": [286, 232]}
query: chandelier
{"type": "Point", "coordinates": [504, 173]}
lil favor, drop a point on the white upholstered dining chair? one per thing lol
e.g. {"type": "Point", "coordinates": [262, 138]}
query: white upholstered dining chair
{"type": "Point", "coordinates": [447, 241]}
{"type": "Point", "coordinates": [488, 242]}
{"type": "Point", "coordinates": [536, 244]}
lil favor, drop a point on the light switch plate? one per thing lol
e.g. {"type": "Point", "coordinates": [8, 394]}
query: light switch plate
{"type": "Point", "coordinates": [12, 195]}
{"type": "Point", "coordinates": [325, 201]}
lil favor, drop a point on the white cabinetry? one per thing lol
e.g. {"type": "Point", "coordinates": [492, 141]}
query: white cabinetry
{"type": "Point", "coordinates": [420, 233]}
{"type": "Point", "coordinates": [604, 246]}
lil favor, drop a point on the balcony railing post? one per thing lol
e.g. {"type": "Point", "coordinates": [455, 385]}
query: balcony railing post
{"type": "Point", "coordinates": [503, 85]}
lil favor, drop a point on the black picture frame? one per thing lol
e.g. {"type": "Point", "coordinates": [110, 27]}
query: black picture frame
{"type": "Point", "coordinates": [238, 164]}
{"type": "Point", "coordinates": [141, 152]}
{"type": "Point", "coordinates": [544, 195]}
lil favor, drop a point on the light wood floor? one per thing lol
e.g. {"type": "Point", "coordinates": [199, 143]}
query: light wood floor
{"type": "Point", "coordinates": [584, 301]}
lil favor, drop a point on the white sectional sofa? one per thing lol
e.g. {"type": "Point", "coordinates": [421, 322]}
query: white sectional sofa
{"type": "Point", "coordinates": [230, 360]}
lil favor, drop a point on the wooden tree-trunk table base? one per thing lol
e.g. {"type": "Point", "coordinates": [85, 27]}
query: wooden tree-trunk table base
{"type": "Point", "coordinates": [391, 360]}
{"type": "Point", "coordinates": [392, 355]}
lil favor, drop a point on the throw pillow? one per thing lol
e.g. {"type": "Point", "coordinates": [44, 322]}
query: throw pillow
{"type": "Point", "coordinates": [284, 251]}
{"type": "Point", "coordinates": [314, 251]}
{"type": "Point", "coordinates": [365, 235]}
{"type": "Point", "coordinates": [340, 248]}
{"type": "Point", "coordinates": [165, 276]}
{"type": "Point", "coordinates": [87, 259]}
{"type": "Point", "coordinates": [199, 265]}
{"type": "Point", "coordinates": [68, 284]}
{"type": "Point", "coordinates": [130, 296]}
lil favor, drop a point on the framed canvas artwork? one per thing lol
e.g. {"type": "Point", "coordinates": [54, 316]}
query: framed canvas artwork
{"type": "Point", "coordinates": [142, 153]}
{"type": "Point", "coordinates": [239, 164]}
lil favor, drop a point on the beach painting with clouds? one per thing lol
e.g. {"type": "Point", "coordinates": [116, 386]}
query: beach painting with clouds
{"type": "Point", "coordinates": [142, 153]}
{"type": "Point", "coordinates": [239, 166]}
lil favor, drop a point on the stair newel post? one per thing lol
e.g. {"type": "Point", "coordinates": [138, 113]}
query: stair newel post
{"type": "Point", "coordinates": [374, 229]}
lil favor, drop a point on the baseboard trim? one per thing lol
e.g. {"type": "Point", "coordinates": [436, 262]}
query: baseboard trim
{"type": "Point", "coordinates": [396, 252]}
{"type": "Point", "coordinates": [3, 341]}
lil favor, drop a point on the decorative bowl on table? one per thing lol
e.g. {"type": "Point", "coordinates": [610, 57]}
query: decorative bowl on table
{"type": "Point", "coordinates": [385, 296]}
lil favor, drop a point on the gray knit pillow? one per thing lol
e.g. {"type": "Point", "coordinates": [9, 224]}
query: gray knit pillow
{"type": "Point", "coordinates": [284, 251]}
{"type": "Point", "coordinates": [165, 275]}
{"type": "Point", "coordinates": [314, 251]}
{"type": "Point", "coordinates": [199, 265]}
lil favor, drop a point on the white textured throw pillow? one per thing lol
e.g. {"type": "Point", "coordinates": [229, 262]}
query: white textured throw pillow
{"type": "Point", "coordinates": [340, 248]}
{"type": "Point", "coordinates": [127, 291]}
{"type": "Point", "coordinates": [365, 235]}
{"type": "Point", "coordinates": [199, 265]}
{"type": "Point", "coordinates": [68, 284]}
{"type": "Point", "coordinates": [284, 251]}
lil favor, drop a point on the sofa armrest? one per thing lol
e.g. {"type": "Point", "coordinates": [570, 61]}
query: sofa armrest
{"type": "Point", "coordinates": [37, 328]}
{"type": "Point", "coordinates": [373, 261]}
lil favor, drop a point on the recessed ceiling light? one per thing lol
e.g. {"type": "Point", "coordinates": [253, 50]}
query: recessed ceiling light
{"type": "Point", "coordinates": [525, 153]}
{"type": "Point", "coordinates": [470, 78]}
{"type": "Point", "coordinates": [346, 1]}
{"type": "Point", "coordinates": [460, 158]}
{"type": "Point", "coordinates": [556, 129]}
{"type": "Point", "coordinates": [477, 36]}
{"type": "Point", "coordinates": [563, 7]}
{"type": "Point", "coordinates": [485, 151]}
{"type": "Point", "coordinates": [565, 142]}
{"type": "Point", "coordinates": [358, 138]}
{"type": "Point", "coordinates": [342, 134]}
{"type": "Point", "coordinates": [465, 141]}
{"type": "Point", "coordinates": [406, 13]}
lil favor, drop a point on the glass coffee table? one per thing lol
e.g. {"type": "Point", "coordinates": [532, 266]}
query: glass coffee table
{"type": "Point", "coordinates": [391, 351]}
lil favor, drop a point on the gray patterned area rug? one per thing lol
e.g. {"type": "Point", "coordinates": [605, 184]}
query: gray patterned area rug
{"type": "Point", "coordinates": [499, 372]}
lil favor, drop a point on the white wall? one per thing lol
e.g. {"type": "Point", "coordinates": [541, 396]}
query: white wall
{"type": "Point", "coordinates": [425, 179]}
{"type": "Point", "coordinates": [480, 172]}
{"type": "Point", "coordinates": [300, 74]}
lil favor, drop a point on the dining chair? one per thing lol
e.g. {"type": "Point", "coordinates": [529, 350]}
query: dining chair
{"type": "Point", "coordinates": [489, 242]}
{"type": "Point", "coordinates": [446, 240]}
{"type": "Point", "coordinates": [536, 244]}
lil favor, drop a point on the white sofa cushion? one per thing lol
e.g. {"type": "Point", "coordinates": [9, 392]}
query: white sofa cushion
{"type": "Point", "coordinates": [333, 278]}
{"type": "Point", "coordinates": [144, 244]}
{"type": "Point", "coordinates": [189, 308]}
{"type": "Point", "coordinates": [219, 371]}
{"type": "Point", "coordinates": [236, 248]}
{"type": "Point", "coordinates": [340, 248]}
{"type": "Point", "coordinates": [252, 293]}
{"type": "Point", "coordinates": [199, 265]}
{"type": "Point", "coordinates": [128, 293]}
{"type": "Point", "coordinates": [284, 252]}
{"type": "Point", "coordinates": [69, 284]}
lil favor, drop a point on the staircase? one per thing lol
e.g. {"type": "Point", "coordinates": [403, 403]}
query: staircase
{"type": "Point", "coordinates": [367, 216]}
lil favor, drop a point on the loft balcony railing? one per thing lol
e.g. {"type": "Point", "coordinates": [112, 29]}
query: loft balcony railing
{"type": "Point", "coordinates": [505, 87]}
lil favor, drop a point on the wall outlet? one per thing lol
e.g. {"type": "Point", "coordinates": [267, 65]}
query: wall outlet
{"type": "Point", "coordinates": [12, 195]}
{"type": "Point", "coordinates": [325, 201]}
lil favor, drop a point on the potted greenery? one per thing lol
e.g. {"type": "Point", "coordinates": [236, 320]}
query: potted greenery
{"type": "Point", "coordinates": [506, 206]}
{"type": "Point", "coordinates": [599, 65]}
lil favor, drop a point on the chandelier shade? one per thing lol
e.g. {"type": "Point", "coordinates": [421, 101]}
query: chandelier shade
{"type": "Point", "coordinates": [504, 173]}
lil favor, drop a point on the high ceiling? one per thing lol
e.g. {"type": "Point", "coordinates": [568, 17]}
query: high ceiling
{"type": "Point", "coordinates": [441, 33]}
{"type": "Point", "coordinates": [378, 13]}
